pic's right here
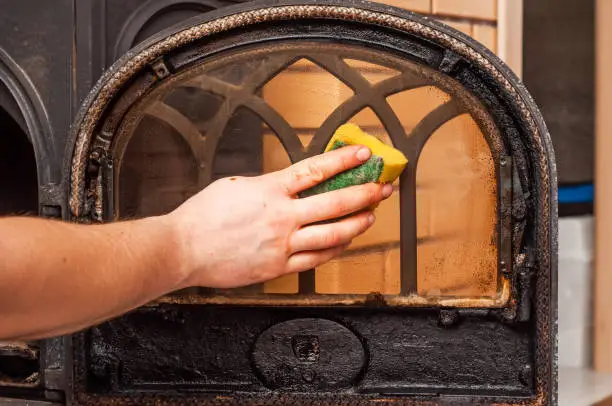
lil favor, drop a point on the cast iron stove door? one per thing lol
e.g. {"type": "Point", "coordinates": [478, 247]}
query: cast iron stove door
{"type": "Point", "coordinates": [450, 298]}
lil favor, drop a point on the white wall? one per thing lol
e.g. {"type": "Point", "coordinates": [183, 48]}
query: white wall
{"type": "Point", "coordinates": [575, 291]}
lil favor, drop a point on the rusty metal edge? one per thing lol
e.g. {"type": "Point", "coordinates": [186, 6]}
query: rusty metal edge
{"type": "Point", "coordinates": [277, 300]}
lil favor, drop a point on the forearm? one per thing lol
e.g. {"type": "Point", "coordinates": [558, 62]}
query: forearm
{"type": "Point", "coordinates": [57, 278]}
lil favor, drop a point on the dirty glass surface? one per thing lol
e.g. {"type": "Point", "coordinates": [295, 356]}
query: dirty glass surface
{"type": "Point", "coordinates": [256, 110]}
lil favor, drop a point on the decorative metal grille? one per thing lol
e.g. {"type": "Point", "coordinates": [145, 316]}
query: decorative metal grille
{"type": "Point", "coordinates": [245, 91]}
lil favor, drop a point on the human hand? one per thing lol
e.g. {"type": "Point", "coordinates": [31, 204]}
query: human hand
{"type": "Point", "coordinates": [240, 231]}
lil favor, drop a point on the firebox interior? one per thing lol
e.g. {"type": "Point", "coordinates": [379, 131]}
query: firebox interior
{"type": "Point", "coordinates": [19, 363]}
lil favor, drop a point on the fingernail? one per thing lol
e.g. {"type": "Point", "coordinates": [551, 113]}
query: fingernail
{"type": "Point", "coordinates": [364, 154]}
{"type": "Point", "coordinates": [387, 190]}
{"type": "Point", "coordinates": [371, 218]}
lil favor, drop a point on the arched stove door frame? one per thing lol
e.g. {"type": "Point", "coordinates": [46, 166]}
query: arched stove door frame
{"type": "Point", "coordinates": [531, 260]}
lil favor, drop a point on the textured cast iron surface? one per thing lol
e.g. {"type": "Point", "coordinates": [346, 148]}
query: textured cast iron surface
{"type": "Point", "coordinates": [406, 349]}
{"type": "Point", "coordinates": [218, 349]}
{"type": "Point", "coordinates": [308, 355]}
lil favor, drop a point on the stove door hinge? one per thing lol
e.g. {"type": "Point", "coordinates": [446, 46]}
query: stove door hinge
{"type": "Point", "coordinates": [101, 170]}
{"type": "Point", "coordinates": [524, 281]}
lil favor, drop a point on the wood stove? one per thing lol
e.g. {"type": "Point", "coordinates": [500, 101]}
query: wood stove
{"type": "Point", "coordinates": [449, 299]}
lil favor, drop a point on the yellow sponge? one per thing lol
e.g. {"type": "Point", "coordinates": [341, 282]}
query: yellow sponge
{"type": "Point", "coordinates": [394, 161]}
{"type": "Point", "coordinates": [384, 166]}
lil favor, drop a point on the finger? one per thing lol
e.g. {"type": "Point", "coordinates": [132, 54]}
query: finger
{"type": "Point", "coordinates": [324, 236]}
{"type": "Point", "coordinates": [312, 171]}
{"type": "Point", "coordinates": [305, 260]}
{"type": "Point", "coordinates": [339, 203]}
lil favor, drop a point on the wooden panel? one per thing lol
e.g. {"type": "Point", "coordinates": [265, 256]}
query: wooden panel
{"type": "Point", "coordinates": [482, 9]}
{"type": "Point", "coordinates": [463, 26]}
{"type": "Point", "coordinates": [372, 72]}
{"type": "Point", "coordinates": [392, 283]}
{"type": "Point", "coordinates": [369, 121]}
{"type": "Point", "coordinates": [275, 156]}
{"type": "Point", "coordinates": [315, 93]}
{"type": "Point", "coordinates": [423, 6]}
{"type": "Point", "coordinates": [602, 356]}
{"type": "Point", "coordinates": [359, 273]}
{"type": "Point", "coordinates": [456, 213]}
{"type": "Point", "coordinates": [284, 284]}
{"type": "Point", "coordinates": [386, 228]}
{"type": "Point", "coordinates": [510, 34]}
{"type": "Point", "coordinates": [413, 105]}
{"type": "Point", "coordinates": [486, 35]}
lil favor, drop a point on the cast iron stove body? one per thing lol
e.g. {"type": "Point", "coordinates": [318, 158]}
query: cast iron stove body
{"type": "Point", "coordinates": [308, 341]}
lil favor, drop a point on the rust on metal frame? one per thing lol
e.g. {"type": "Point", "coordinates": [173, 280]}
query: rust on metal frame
{"type": "Point", "coordinates": [376, 299]}
{"type": "Point", "coordinates": [505, 215]}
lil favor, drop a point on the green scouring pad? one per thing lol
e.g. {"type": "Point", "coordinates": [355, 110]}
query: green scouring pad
{"type": "Point", "coordinates": [384, 166]}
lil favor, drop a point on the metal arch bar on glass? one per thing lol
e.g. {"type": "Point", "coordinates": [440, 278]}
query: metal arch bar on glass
{"type": "Point", "coordinates": [416, 140]}
{"type": "Point", "coordinates": [244, 96]}
{"type": "Point", "coordinates": [366, 95]}
{"type": "Point", "coordinates": [374, 96]}
{"type": "Point", "coordinates": [185, 127]}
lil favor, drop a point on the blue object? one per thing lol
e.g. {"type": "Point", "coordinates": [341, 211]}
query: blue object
{"type": "Point", "coordinates": [576, 194]}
